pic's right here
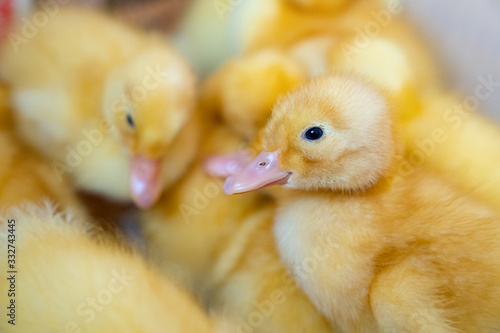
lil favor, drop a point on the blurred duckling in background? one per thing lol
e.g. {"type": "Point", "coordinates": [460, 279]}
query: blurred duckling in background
{"type": "Point", "coordinates": [395, 253]}
{"type": "Point", "coordinates": [331, 37]}
{"type": "Point", "coordinates": [73, 279]}
{"type": "Point", "coordinates": [24, 175]}
{"type": "Point", "coordinates": [222, 248]}
{"type": "Point", "coordinates": [242, 99]}
{"type": "Point", "coordinates": [457, 143]}
{"type": "Point", "coordinates": [290, 41]}
{"type": "Point", "coordinates": [106, 102]}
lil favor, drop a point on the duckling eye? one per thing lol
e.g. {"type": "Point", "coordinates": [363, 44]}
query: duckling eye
{"type": "Point", "coordinates": [130, 121]}
{"type": "Point", "coordinates": [313, 133]}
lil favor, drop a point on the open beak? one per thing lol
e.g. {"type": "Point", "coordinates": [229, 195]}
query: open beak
{"type": "Point", "coordinates": [263, 171]}
{"type": "Point", "coordinates": [145, 181]}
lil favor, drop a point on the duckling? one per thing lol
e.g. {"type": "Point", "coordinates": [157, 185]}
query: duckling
{"type": "Point", "coordinates": [237, 81]}
{"type": "Point", "coordinates": [223, 250]}
{"type": "Point", "coordinates": [71, 278]}
{"type": "Point", "coordinates": [457, 143]}
{"type": "Point", "coordinates": [312, 38]}
{"type": "Point", "coordinates": [384, 252]}
{"type": "Point", "coordinates": [401, 65]}
{"type": "Point", "coordinates": [105, 102]}
{"type": "Point", "coordinates": [25, 176]}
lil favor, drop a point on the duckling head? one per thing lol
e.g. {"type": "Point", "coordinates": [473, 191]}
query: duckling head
{"type": "Point", "coordinates": [331, 133]}
{"type": "Point", "coordinates": [149, 102]}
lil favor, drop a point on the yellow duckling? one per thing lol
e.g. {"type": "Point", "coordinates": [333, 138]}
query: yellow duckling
{"type": "Point", "coordinates": [291, 40]}
{"type": "Point", "coordinates": [103, 101]}
{"type": "Point", "coordinates": [453, 140]}
{"type": "Point", "coordinates": [386, 252]}
{"type": "Point", "coordinates": [443, 131]}
{"type": "Point", "coordinates": [69, 278]}
{"type": "Point", "coordinates": [241, 98]}
{"type": "Point", "coordinates": [223, 250]}
{"type": "Point", "coordinates": [24, 175]}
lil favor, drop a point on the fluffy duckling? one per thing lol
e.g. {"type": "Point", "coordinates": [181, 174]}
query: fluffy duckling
{"type": "Point", "coordinates": [397, 63]}
{"type": "Point", "coordinates": [24, 175]}
{"type": "Point", "coordinates": [223, 250]}
{"type": "Point", "coordinates": [385, 252]}
{"type": "Point", "coordinates": [107, 103]}
{"type": "Point", "coordinates": [237, 81]}
{"type": "Point", "coordinates": [331, 35]}
{"type": "Point", "coordinates": [457, 143]}
{"type": "Point", "coordinates": [69, 278]}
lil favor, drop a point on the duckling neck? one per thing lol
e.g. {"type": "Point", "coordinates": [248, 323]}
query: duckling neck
{"type": "Point", "coordinates": [327, 241]}
{"type": "Point", "coordinates": [331, 241]}
{"type": "Point", "coordinates": [181, 158]}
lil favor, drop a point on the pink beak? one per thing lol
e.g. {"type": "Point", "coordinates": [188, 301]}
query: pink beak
{"type": "Point", "coordinates": [263, 171]}
{"type": "Point", "coordinates": [145, 181]}
{"type": "Point", "coordinates": [226, 165]}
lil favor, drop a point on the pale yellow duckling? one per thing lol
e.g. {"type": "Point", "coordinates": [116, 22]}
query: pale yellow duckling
{"type": "Point", "coordinates": [385, 252]}
{"type": "Point", "coordinates": [243, 92]}
{"type": "Point", "coordinates": [104, 101]}
{"type": "Point", "coordinates": [223, 250]}
{"type": "Point", "coordinates": [453, 140]}
{"type": "Point", "coordinates": [25, 176]}
{"type": "Point", "coordinates": [68, 277]}
{"type": "Point", "coordinates": [309, 38]}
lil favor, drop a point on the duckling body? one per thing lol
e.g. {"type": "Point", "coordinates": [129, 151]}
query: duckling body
{"type": "Point", "coordinates": [375, 250]}
{"type": "Point", "coordinates": [25, 176]}
{"type": "Point", "coordinates": [457, 144]}
{"type": "Point", "coordinates": [369, 267]}
{"type": "Point", "coordinates": [93, 95]}
{"type": "Point", "coordinates": [223, 250]}
{"type": "Point", "coordinates": [88, 283]}
{"type": "Point", "coordinates": [314, 38]}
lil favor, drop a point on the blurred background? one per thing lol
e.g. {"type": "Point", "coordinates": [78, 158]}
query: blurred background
{"type": "Point", "coordinates": [464, 35]}
{"type": "Point", "coordinates": [465, 38]}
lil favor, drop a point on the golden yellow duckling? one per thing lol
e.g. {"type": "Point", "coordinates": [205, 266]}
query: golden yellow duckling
{"type": "Point", "coordinates": [102, 100]}
{"type": "Point", "coordinates": [25, 176]}
{"type": "Point", "coordinates": [291, 40]}
{"type": "Point", "coordinates": [385, 252]}
{"type": "Point", "coordinates": [366, 38]}
{"type": "Point", "coordinates": [68, 277]}
{"type": "Point", "coordinates": [223, 250]}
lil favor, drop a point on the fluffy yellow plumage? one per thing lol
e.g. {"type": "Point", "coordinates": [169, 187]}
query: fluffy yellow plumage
{"type": "Point", "coordinates": [369, 39]}
{"type": "Point", "coordinates": [103, 100]}
{"type": "Point", "coordinates": [72, 279]}
{"type": "Point", "coordinates": [386, 251]}
{"type": "Point", "coordinates": [223, 250]}
{"type": "Point", "coordinates": [25, 176]}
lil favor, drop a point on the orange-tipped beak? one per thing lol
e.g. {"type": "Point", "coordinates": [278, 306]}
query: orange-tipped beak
{"type": "Point", "coordinates": [145, 181]}
{"type": "Point", "coordinates": [263, 171]}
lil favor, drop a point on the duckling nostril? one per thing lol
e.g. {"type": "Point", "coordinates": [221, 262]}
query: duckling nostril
{"type": "Point", "coordinates": [262, 164]}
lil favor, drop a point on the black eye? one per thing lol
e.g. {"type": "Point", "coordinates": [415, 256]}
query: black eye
{"type": "Point", "coordinates": [313, 133]}
{"type": "Point", "coordinates": [130, 121]}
